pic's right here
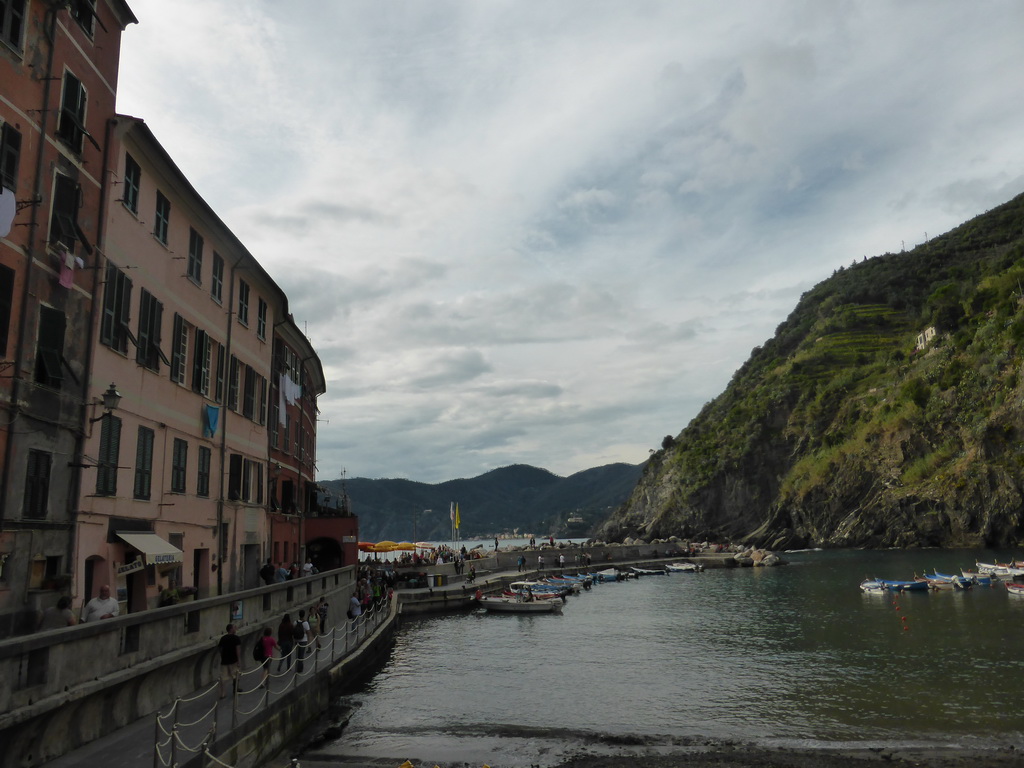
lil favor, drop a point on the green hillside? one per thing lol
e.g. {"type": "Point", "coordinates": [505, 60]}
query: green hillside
{"type": "Point", "coordinates": [838, 431]}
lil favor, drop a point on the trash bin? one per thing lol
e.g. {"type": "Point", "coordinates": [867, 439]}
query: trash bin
{"type": "Point", "coordinates": [437, 580]}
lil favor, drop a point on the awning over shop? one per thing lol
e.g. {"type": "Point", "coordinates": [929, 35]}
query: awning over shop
{"type": "Point", "coordinates": [157, 551]}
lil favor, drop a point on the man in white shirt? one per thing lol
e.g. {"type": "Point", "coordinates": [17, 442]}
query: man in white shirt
{"type": "Point", "coordinates": [102, 607]}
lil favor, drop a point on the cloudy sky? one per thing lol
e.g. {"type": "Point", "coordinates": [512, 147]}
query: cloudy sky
{"type": "Point", "coordinates": [548, 233]}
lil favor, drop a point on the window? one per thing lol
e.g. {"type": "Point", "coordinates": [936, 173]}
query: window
{"type": "Point", "coordinates": [64, 213]}
{"type": "Point", "coordinates": [233, 384]}
{"type": "Point", "coordinates": [243, 302]}
{"type": "Point", "coordinates": [71, 123]}
{"type": "Point", "coordinates": [148, 352]}
{"type": "Point", "coordinates": [179, 349]}
{"type": "Point", "coordinates": [195, 256]}
{"type": "Point", "coordinates": [286, 433]}
{"type": "Point", "coordinates": [132, 181]}
{"type": "Point", "coordinates": [217, 281]}
{"type": "Point", "coordinates": [50, 347]}
{"type": "Point", "coordinates": [37, 484]}
{"type": "Point", "coordinates": [264, 387]}
{"type": "Point", "coordinates": [10, 151]}
{"type": "Point", "coordinates": [203, 476]}
{"type": "Point", "coordinates": [261, 319]}
{"type": "Point", "coordinates": [84, 12]}
{"type": "Point", "coordinates": [110, 448]}
{"type": "Point", "coordinates": [249, 394]}
{"type": "Point", "coordinates": [163, 217]}
{"type": "Point", "coordinates": [117, 296]}
{"type": "Point", "coordinates": [179, 465]}
{"type": "Point", "coordinates": [235, 477]}
{"type": "Point", "coordinates": [12, 20]}
{"type": "Point", "coordinates": [6, 296]}
{"type": "Point", "coordinates": [274, 431]}
{"type": "Point", "coordinates": [247, 474]}
{"type": "Point", "coordinates": [144, 464]}
{"type": "Point", "coordinates": [201, 363]}
{"type": "Point", "coordinates": [218, 393]}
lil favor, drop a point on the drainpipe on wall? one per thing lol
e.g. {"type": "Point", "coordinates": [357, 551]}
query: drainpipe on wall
{"type": "Point", "coordinates": [224, 430]}
{"type": "Point", "coordinates": [94, 329]}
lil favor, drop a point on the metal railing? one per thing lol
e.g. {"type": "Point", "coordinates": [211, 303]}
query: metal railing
{"type": "Point", "coordinates": [190, 725]}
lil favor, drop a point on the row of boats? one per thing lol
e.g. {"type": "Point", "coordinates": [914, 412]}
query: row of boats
{"type": "Point", "coordinates": [985, 575]}
{"type": "Point", "coordinates": [548, 594]}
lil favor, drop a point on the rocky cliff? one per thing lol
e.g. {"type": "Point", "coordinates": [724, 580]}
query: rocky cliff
{"type": "Point", "coordinates": [854, 425]}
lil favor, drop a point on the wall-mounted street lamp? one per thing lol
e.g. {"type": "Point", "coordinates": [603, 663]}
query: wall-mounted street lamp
{"type": "Point", "coordinates": [111, 399]}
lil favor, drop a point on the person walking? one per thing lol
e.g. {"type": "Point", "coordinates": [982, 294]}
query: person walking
{"type": "Point", "coordinates": [301, 634]}
{"type": "Point", "coordinates": [286, 642]}
{"type": "Point", "coordinates": [267, 572]}
{"type": "Point", "coordinates": [230, 658]}
{"type": "Point", "coordinates": [267, 645]}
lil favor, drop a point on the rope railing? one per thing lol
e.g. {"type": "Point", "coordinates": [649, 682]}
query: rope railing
{"type": "Point", "coordinates": [302, 661]}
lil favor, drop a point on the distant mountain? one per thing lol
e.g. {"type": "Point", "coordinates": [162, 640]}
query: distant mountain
{"type": "Point", "coordinates": [518, 498]}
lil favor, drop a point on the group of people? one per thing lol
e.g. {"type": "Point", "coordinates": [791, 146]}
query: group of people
{"type": "Point", "coordinates": [283, 573]}
{"type": "Point", "coordinates": [60, 615]}
{"type": "Point", "coordinates": [298, 636]}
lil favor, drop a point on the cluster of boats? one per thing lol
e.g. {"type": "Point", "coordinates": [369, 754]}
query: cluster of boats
{"type": "Point", "coordinates": [985, 575]}
{"type": "Point", "coordinates": [548, 595]}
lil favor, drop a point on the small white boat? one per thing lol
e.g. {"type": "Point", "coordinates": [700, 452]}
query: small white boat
{"type": "Point", "coordinates": [872, 585]}
{"type": "Point", "coordinates": [516, 605]}
{"type": "Point", "coordinates": [648, 571]}
{"type": "Point", "coordinates": [684, 567]}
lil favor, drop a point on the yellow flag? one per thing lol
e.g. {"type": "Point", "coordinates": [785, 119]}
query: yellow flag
{"type": "Point", "coordinates": [457, 519]}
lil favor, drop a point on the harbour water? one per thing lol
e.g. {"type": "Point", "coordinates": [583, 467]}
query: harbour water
{"type": "Point", "coordinates": [793, 655]}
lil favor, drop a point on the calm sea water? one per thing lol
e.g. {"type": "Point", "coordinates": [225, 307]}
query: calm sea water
{"type": "Point", "coordinates": [789, 655]}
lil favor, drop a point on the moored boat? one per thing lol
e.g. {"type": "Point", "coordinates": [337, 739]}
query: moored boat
{"type": "Point", "coordinates": [1015, 589]}
{"type": "Point", "coordinates": [904, 586]}
{"type": "Point", "coordinates": [517, 605]}
{"type": "Point", "coordinates": [684, 567]}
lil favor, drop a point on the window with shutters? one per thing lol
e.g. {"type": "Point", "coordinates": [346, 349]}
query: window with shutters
{"type": "Point", "coordinates": [12, 22]}
{"type": "Point", "coordinates": [218, 393]}
{"type": "Point", "coordinates": [64, 213]}
{"type": "Point", "coordinates": [261, 319]}
{"type": "Point", "coordinates": [217, 278]}
{"type": "Point", "coordinates": [243, 302]}
{"type": "Point", "coordinates": [117, 296]}
{"type": "Point", "coordinates": [144, 464]}
{"type": "Point", "coordinates": [132, 183]}
{"type": "Point", "coordinates": [201, 363]}
{"type": "Point", "coordinates": [272, 426]}
{"type": "Point", "coordinates": [162, 217]}
{"type": "Point", "coordinates": [235, 477]}
{"type": "Point", "coordinates": [195, 256]}
{"type": "Point", "coordinates": [286, 433]}
{"type": "Point", "coordinates": [110, 448]}
{"type": "Point", "coordinates": [37, 485]}
{"type": "Point", "coordinates": [249, 394]}
{"type": "Point", "coordinates": [84, 12]}
{"type": "Point", "coordinates": [203, 475]}
{"type": "Point", "coordinates": [179, 349]}
{"type": "Point", "coordinates": [50, 348]}
{"type": "Point", "coordinates": [233, 383]}
{"type": "Point", "coordinates": [71, 122]}
{"type": "Point", "coordinates": [6, 297]}
{"type": "Point", "coordinates": [10, 153]}
{"type": "Point", "coordinates": [179, 465]}
{"type": "Point", "coordinates": [247, 474]}
{"type": "Point", "coordinates": [148, 352]}
{"type": "Point", "coordinates": [264, 390]}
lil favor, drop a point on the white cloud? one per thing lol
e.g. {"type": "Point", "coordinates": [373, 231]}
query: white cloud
{"type": "Point", "coordinates": [550, 233]}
